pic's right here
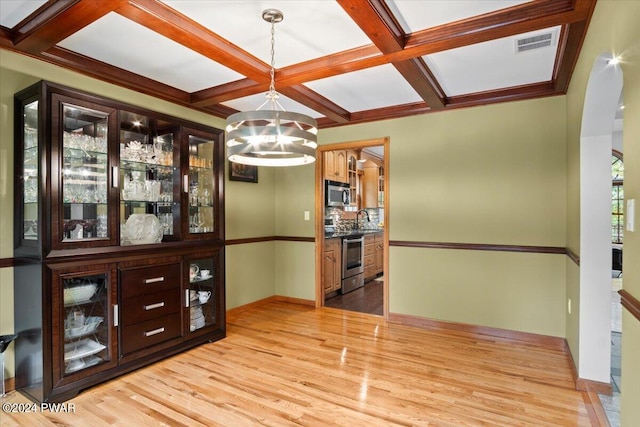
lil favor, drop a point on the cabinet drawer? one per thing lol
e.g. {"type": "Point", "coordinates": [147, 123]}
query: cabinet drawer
{"type": "Point", "coordinates": [369, 271]}
{"type": "Point", "coordinates": [369, 260]}
{"type": "Point", "coordinates": [369, 239]}
{"type": "Point", "coordinates": [329, 245]}
{"type": "Point", "coordinates": [369, 250]}
{"type": "Point", "coordinates": [144, 280]}
{"type": "Point", "coordinates": [148, 333]}
{"type": "Point", "coordinates": [150, 306]}
{"type": "Point", "coordinates": [379, 238]}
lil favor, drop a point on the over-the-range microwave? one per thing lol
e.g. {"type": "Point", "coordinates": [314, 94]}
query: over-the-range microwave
{"type": "Point", "coordinates": [336, 194]}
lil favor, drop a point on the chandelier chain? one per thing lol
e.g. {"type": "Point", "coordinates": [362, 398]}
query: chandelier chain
{"type": "Point", "coordinates": [272, 86]}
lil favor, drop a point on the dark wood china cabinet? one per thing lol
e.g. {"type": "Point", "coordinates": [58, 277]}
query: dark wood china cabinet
{"type": "Point", "coordinates": [119, 239]}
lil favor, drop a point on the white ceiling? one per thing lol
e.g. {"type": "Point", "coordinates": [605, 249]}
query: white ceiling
{"type": "Point", "coordinates": [311, 29]}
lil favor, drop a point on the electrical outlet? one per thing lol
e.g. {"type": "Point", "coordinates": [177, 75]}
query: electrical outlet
{"type": "Point", "coordinates": [569, 305]}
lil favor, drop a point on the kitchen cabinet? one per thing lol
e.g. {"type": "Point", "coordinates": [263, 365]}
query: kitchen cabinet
{"type": "Point", "coordinates": [373, 186]}
{"type": "Point", "coordinates": [113, 205]}
{"type": "Point", "coordinates": [369, 257]}
{"type": "Point", "coordinates": [332, 265]}
{"type": "Point", "coordinates": [379, 252]}
{"type": "Point", "coordinates": [352, 177]}
{"type": "Point", "coordinates": [335, 165]}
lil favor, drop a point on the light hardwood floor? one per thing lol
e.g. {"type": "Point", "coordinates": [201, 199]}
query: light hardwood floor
{"type": "Point", "coordinates": [284, 364]}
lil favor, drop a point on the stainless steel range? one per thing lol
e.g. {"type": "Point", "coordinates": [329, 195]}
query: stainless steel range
{"type": "Point", "coordinates": [352, 263]}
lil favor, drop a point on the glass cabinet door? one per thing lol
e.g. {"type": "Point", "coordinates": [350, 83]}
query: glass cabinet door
{"type": "Point", "coordinates": [148, 210]}
{"type": "Point", "coordinates": [84, 316]}
{"type": "Point", "coordinates": [200, 184]}
{"type": "Point", "coordinates": [30, 172]}
{"type": "Point", "coordinates": [201, 295]}
{"type": "Point", "coordinates": [84, 174]}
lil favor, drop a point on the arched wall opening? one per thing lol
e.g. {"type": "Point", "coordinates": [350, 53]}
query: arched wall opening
{"type": "Point", "coordinates": [601, 101]}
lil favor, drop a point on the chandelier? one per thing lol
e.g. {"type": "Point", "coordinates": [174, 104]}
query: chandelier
{"type": "Point", "coordinates": [271, 136]}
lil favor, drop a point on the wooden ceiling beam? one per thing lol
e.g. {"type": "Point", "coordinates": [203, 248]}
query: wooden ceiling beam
{"type": "Point", "coordinates": [378, 23]}
{"type": "Point", "coordinates": [519, 19]}
{"type": "Point", "coordinates": [57, 20]}
{"type": "Point", "coordinates": [569, 47]}
{"type": "Point", "coordinates": [317, 102]}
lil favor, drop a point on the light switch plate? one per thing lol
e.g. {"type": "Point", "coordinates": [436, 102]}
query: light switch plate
{"type": "Point", "coordinates": [630, 214]}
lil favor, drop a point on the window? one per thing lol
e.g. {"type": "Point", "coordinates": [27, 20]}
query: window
{"type": "Point", "coordinates": [617, 197]}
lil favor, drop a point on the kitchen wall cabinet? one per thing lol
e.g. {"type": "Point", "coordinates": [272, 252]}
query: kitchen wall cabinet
{"type": "Point", "coordinates": [335, 165]}
{"type": "Point", "coordinates": [114, 204]}
{"type": "Point", "coordinates": [332, 265]}
{"type": "Point", "coordinates": [373, 186]}
{"type": "Point", "coordinates": [352, 177]}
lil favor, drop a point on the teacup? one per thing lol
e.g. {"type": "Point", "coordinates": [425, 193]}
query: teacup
{"type": "Point", "coordinates": [205, 274]}
{"type": "Point", "coordinates": [193, 272]}
{"type": "Point", "coordinates": [204, 296]}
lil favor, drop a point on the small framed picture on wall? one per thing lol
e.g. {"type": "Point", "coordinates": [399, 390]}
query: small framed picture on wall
{"type": "Point", "coordinates": [240, 172]}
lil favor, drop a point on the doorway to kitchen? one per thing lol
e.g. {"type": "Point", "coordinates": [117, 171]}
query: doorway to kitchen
{"type": "Point", "coordinates": [352, 196]}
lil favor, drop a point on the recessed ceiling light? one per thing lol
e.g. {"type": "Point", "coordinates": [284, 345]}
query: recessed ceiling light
{"type": "Point", "coordinates": [614, 61]}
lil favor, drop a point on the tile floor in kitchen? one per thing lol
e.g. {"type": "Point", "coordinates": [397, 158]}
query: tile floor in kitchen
{"type": "Point", "coordinates": [611, 404]}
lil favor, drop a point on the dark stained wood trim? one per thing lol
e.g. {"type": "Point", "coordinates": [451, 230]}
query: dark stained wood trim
{"type": "Point", "coordinates": [7, 262]}
{"type": "Point", "coordinates": [294, 239]}
{"type": "Point", "coordinates": [516, 93]}
{"type": "Point", "coordinates": [376, 20]}
{"type": "Point", "coordinates": [555, 343]}
{"type": "Point", "coordinates": [571, 38]}
{"type": "Point", "coordinates": [573, 256]}
{"type": "Point", "coordinates": [269, 239]}
{"type": "Point", "coordinates": [317, 102]}
{"type": "Point", "coordinates": [630, 303]}
{"type": "Point", "coordinates": [480, 247]}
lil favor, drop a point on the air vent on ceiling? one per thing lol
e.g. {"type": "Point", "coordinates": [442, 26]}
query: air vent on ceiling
{"type": "Point", "coordinates": [535, 42]}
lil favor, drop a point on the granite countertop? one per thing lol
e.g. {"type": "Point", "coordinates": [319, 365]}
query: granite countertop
{"type": "Point", "coordinates": [350, 233]}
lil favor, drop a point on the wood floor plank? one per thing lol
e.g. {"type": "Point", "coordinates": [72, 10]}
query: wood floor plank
{"type": "Point", "coordinates": [284, 364]}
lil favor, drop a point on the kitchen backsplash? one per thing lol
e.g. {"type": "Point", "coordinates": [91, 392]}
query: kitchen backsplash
{"type": "Point", "coordinates": [345, 221]}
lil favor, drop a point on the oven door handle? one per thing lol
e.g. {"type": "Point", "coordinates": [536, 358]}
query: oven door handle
{"type": "Point", "coordinates": [359, 239]}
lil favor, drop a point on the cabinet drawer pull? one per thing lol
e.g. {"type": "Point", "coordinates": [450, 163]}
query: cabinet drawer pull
{"type": "Point", "coordinates": [154, 306]}
{"type": "Point", "coordinates": [154, 280]}
{"type": "Point", "coordinates": [154, 332]}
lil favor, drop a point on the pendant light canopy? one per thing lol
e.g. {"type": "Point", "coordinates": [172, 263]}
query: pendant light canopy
{"type": "Point", "coordinates": [271, 136]}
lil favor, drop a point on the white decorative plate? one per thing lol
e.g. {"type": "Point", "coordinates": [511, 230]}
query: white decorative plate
{"type": "Point", "coordinates": [142, 229]}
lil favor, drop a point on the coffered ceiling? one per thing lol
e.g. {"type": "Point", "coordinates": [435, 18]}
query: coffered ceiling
{"type": "Point", "coordinates": [342, 62]}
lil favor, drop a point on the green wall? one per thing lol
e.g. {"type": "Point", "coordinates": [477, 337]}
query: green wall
{"type": "Point", "coordinates": [613, 29]}
{"type": "Point", "coordinates": [493, 175]}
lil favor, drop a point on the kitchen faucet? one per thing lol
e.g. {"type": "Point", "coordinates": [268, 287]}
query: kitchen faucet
{"type": "Point", "coordinates": [358, 215]}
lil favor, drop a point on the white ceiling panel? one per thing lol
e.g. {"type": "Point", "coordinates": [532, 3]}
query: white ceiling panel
{"type": "Point", "coordinates": [251, 103]}
{"type": "Point", "coordinates": [12, 12]}
{"type": "Point", "coordinates": [492, 65]}
{"type": "Point", "coordinates": [367, 89]}
{"type": "Point", "coordinates": [118, 41]}
{"type": "Point", "coordinates": [416, 15]}
{"type": "Point", "coordinates": [311, 28]}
